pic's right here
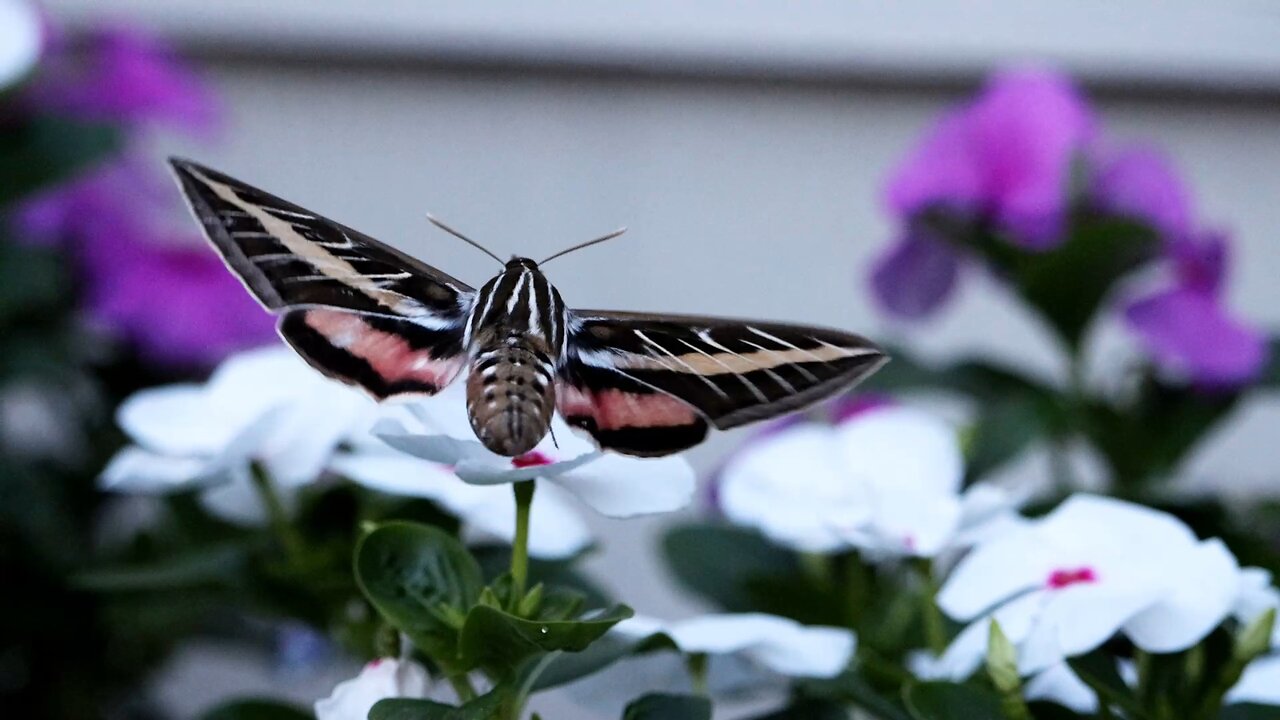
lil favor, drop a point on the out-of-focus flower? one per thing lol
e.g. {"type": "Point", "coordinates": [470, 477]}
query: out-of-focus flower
{"type": "Point", "coordinates": [1187, 328]}
{"type": "Point", "coordinates": [1140, 183]}
{"type": "Point", "coordinates": [886, 480]}
{"type": "Point", "coordinates": [380, 679]}
{"type": "Point", "coordinates": [1260, 683]}
{"type": "Point", "coordinates": [1257, 595]}
{"type": "Point", "coordinates": [1062, 585]}
{"type": "Point", "coordinates": [121, 74]}
{"type": "Point", "coordinates": [19, 40]}
{"type": "Point", "coordinates": [778, 644]}
{"type": "Point", "coordinates": [614, 485]}
{"type": "Point", "coordinates": [555, 528]}
{"type": "Point", "coordinates": [1061, 685]}
{"type": "Point", "coordinates": [264, 406]}
{"type": "Point", "coordinates": [1004, 158]}
{"type": "Point", "coordinates": [172, 299]}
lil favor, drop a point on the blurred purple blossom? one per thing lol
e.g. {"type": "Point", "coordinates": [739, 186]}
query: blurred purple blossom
{"type": "Point", "coordinates": [120, 74]}
{"type": "Point", "coordinates": [1187, 328]}
{"type": "Point", "coordinates": [1005, 157]}
{"type": "Point", "coordinates": [1141, 183]}
{"type": "Point", "coordinates": [161, 290]}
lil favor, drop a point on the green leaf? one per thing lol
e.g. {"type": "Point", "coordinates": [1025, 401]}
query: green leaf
{"type": "Point", "coordinates": [32, 280]}
{"type": "Point", "coordinates": [1098, 670]}
{"type": "Point", "coordinates": [564, 668]}
{"type": "Point", "coordinates": [485, 707]}
{"type": "Point", "coordinates": [42, 151]}
{"type": "Point", "coordinates": [499, 641]}
{"type": "Point", "coordinates": [950, 701]}
{"type": "Point", "coordinates": [421, 580]}
{"type": "Point", "coordinates": [213, 565]}
{"type": "Point", "coordinates": [808, 710]}
{"type": "Point", "coordinates": [1250, 711]}
{"type": "Point", "coordinates": [658, 706]}
{"type": "Point", "coordinates": [727, 564]}
{"type": "Point", "coordinates": [851, 687]}
{"type": "Point", "coordinates": [496, 561]}
{"type": "Point", "coordinates": [257, 710]}
{"type": "Point", "coordinates": [1255, 638]}
{"type": "Point", "coordinates": [1271, 373]}
{"type": "Point", "coordinates": [1004, 429]}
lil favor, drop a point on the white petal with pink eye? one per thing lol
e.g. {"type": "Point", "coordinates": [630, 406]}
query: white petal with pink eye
{"type": "Point", "coordinates": [622, 487]}
{"type": "Point", "coordinates": [1201, 592]}
{"type": "Point", "coordinates": [1060, 685]}
{"type": "Point", "coordinates": [790, 485]}
{"type": "Point", "coordinates": [1260, 683]}
{"type": "Point", "coordinates": [1079, 618]}
{"type": "Point", "coordinates": [556, 530]}
{"type": "Point", "coordinates": [380, 679]}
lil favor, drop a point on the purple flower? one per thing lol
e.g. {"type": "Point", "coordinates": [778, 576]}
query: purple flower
{"type": "Point", "coordinates": [120, 74]}
{"type": "Point", "coordinates": [1188, 330]}
{"type": "Point", "coordinates": [1005, 158]}
{"type": "Point", "coordinates": [170, 297]}
{"type": "Point", "coordinates": [1140, 183]}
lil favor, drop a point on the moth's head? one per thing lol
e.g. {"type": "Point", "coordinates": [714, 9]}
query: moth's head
{"type": "Point", "coordinates": [521, 263]}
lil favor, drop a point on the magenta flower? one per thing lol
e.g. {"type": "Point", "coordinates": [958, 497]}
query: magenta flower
{"type": "Point", "coordinates": [1141, 183]}
{"type": "Point", "coordinates": [1004, 158]}
{"type": "Point", "coordinates": [120, 74]}
{"type": "Point", "coordinates": [1188, 330]}
{"type": "Point", "coordinates": [168, 296]}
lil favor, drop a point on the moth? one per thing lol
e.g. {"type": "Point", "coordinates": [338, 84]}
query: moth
{"type": "Point", "coordinates": [371, 316]}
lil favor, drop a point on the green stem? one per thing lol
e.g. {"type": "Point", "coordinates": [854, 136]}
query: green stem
{"type": "Point", "coordinates": [697, 664]}
{"type": "Point", "coordinates": [855, 580]}
{"type": "Point", "coordinates": [461, 685]}
{"type": "Point", "coordinates": [520, 548]}
{"type": "Point", "coordinates": [286, 534]}
{"type": "Point", "coordinates": [935, 630]}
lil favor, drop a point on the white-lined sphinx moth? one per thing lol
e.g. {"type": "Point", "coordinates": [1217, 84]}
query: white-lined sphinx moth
{"type": "Point", "coordinates": [369, 315]}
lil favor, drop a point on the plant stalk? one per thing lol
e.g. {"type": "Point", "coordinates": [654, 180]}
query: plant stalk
{"type": "Point", "coordinates": [281, 526]}
{"type": "Point", "coordinates": [520, 548]}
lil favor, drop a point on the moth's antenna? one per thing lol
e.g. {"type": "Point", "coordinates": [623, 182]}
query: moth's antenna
{"type": "Point", "coordinates": [463, 238]}
{"type": "Point", "coordinates": [579, 246]}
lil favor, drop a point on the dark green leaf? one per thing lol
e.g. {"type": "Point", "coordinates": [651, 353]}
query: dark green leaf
{"type": "Point", "coordinates": [201, 566]}
{"type": "Point", "coordinates": [498, 641]}
{"type": "Point", "coordinates": [32, 280]}
{"type": "Point", "coordinates": [808, 710]}
{"type": "Point", "coordinates": [950, 701]}
{"type": "Point", "coordinates": [43, 151]}
{"type": "Point", "coordinates": [485, 707]}
{"type": "Point", "coordinates": [416, 576]}
{"type": "Point", "coordinates": [257, 710]}
{"type": "Point", "coordinates": [496, 560]}
{"type": "Point", "coordinates": [1051, 711]}
{"type": "Point", "coordinates": [720, 563]}
{"type": "Point", "coordinates": [1250, 711]}
{"type": "Point", "coordinates": [1004, 429]}
{"type": "Point", "coordinates": [564, 668]}
{"type": "Point", "coordinates": [852, 688]}
{"type": "Point", "coordinates": [1098, 670]}
{"type": "Point", "coordinates": [668, 707]}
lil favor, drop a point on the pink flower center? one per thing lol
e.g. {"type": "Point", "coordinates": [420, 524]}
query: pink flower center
{"type": "Point", "coordinates": [533, 458]}
{"type": "Point", "coordinates": [1066, 577]}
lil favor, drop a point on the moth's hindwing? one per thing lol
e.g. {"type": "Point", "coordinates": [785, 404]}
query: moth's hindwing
{"type": "Point", "coordinates": [651, 384]}
{"type": "Point", "coordinates": [356, 309]}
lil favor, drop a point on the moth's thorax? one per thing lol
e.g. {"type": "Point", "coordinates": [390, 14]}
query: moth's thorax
{"type": "Point", "coordinates": [516, 338]}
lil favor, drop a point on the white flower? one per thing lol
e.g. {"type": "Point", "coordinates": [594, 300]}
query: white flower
{"type": "Point", "coordinates": [1257, 595]}
{"type": "Point", "coordinates": [1062, 585]}
{"type": "Point", "coordinates": [885, 480]}
{"type": "Point", "coordinates": [555, 528]}
{"type": "Point", "coordinates": [1260, 683]}
{"type": "Point", "coordinates": [380, 679]}
{"type": "Point", "coordinates": [1061, 685]}
{"type": "Point", "coordinates": [779, 644]}
{"type": "Point", "coordinates": [19, 40]}
{"type": "Point", "coordinates": [263, 406]}
{"type": "Point", "coordinates": [612, 484]}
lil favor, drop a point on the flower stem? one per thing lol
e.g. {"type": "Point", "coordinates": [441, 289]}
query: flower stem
{"type": "Point", "coordinates": [935, 630]}
{"type": "Point", "coordinates": [520, 548]}
{"type": "Point", "coordinates": [697, 665]}
{"type": "Point", "coordinates": [286, 534]}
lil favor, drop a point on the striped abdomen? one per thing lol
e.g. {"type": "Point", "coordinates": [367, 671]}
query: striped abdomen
{"type": "Point", "coordinates": [510, 399]}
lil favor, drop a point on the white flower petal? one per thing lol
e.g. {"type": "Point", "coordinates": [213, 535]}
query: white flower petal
{"type": "Point", "coordinates": [1260, 683]}
{"type": "Point", "coordinates": [1201, 593]}
{"type": "Point", "coordinates": [1077, 619]}
{"type": "Point", "coordinates": [994, 572]}
{"type": "Point", "coordinates": [899, 447]}
{"type": "Point", "coordinates": [385, 678]}
{"type": "Point", "coordinates": [135, 470]}
{"type": "Point", "coordinates": [19, 40]}
{"type": "Point", "coordinates": [620, 486]}
{"type": "Point", "coordinates": [499, 470]}
{"type": "Point", "coordinates": [1060, 685]}
{"type": "Point", "coordinates": [177, 419]}
{"type": "Point", "coordinates": [780, 644]}
{"type": "Point", "coordinates": [790, 485]}
{"type": "Point", "coordinates": [238, 500]}
{"type": "Point", "coordinates": [968, 649]}
{"type": "Point", "coordinates": [556, 530]}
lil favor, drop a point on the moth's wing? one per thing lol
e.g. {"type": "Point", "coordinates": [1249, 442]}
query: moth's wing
{"type": "Point", "coordinates": [354, 308]}
{"type": "Point", "coordinates": [652, 384]}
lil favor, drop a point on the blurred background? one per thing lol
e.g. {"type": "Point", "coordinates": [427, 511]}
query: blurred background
{"type": "Point", "coordinates": [744, 145]}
